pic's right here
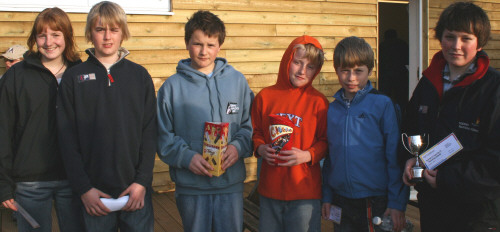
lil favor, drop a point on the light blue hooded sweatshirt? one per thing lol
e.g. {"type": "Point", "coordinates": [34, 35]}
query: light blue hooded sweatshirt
{"type": "Point", "coordinates": [186, 101]}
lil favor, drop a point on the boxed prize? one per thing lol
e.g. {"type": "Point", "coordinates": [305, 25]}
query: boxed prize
{"type": "Point", "coordinates": [215, 144]}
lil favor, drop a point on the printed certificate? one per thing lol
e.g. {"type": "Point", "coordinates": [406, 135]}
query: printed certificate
{"type": "Point", "coordinates": [441, 152]}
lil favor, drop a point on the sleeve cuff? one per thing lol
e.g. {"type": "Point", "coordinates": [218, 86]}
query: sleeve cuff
{"type": "Point", "coordinates": [187, 159]}
{"type": "Point", "coordinates": [236, 144]}
{"type": "Point", "coordinates": [396, 205]}
{"type": "Point", "coordinates": [327, 194]}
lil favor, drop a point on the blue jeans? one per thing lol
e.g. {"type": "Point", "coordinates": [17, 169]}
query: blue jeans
{"type": "Point", "coordinates": [212, 212]}
{"type": "Point", "coordinates": [141, 220]}
{"type": "Point", "coordinates": [289, 216]}
{"type": "Point", "coordinates": [358, 213]}
{"type": "Point", "coordinates": [37, 197]}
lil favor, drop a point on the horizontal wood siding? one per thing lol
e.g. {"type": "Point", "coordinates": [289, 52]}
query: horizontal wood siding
{"type": "Point", "coordinates": [258, 32]}
{"type": "Point", "coordinates": [492, 8]}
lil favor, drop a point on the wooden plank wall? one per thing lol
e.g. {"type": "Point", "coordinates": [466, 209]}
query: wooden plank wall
{"type": "Point", "coordinates": [258, 32]}
{"type": "Point", "coordinates": [492, 8]}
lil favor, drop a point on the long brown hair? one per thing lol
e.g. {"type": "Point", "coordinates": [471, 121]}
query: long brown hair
{"type": "Point", "coordinates": [57, 20]}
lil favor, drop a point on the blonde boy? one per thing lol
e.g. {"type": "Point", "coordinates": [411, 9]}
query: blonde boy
{"type": "Point", "coordinates": [107, 123]}
{"type": "Point", "coordinates": [290, 189]}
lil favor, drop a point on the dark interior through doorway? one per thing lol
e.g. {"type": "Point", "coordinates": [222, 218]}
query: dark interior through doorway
{"type": "Point", "coordinates": [394, 51]}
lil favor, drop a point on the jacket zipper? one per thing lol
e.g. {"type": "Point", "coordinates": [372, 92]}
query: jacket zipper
{"type": "Point", "coordinates": [110, 78]}
{"type": "Point", "coordinates": [348, 112]}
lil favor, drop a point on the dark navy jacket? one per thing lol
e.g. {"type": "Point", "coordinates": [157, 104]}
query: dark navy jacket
{"type": "Point", "coordinates": [469, 182]}
{"type": "Point", "coordinates": [107, 123]}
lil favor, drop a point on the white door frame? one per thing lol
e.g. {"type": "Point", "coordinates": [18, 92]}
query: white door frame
{"type": "Point", "coordinates": [415, 14]}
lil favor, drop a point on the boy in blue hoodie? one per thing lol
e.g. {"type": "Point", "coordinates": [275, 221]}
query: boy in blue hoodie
{"type": "Point", "coordinates": [205, 89]}
{"type": "Point", "coordinates": [361, 172]}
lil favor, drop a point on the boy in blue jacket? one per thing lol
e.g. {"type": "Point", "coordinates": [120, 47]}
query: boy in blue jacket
{"type": "Point", "coordinates": [205, 89]}
{"type": "Point", "coordinates": [361, 173]}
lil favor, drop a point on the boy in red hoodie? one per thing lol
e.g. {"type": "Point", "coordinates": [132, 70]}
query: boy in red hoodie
{"type": "Point", "coordinates": [291, 188]}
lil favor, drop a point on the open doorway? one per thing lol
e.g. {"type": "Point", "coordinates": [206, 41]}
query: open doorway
{"type": "Point", "coordinates": [393, 69]}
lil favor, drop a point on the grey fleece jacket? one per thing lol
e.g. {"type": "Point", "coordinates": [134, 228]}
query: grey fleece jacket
{"type": "Point", "coordinates": [186, 101]}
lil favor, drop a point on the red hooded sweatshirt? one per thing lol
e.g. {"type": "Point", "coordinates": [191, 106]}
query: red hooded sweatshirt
{"type": "Point", "coordinates": [306, 107]}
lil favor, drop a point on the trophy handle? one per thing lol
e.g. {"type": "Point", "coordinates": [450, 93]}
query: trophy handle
{"type": "Point", "coordinates": [427, 144]}
{"type": "Point", "coordinates": [403, 135]}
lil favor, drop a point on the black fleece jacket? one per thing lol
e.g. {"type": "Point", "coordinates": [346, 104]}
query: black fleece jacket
{"type": "Point", "coordinates": [108, 125]}
{"type": "Point", "coordinates": [469, 183]}
{"type": "Point", "coordinates": [28, 134]}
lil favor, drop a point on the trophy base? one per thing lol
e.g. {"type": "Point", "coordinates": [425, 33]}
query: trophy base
{"type": "Point", "coordinates": [417, 174]}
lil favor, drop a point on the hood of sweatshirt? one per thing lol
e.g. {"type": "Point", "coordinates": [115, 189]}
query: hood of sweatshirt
{"type": "Point", "coordinates": [283, 75]}
{"type": "Point", "coordinates": [191, 74]}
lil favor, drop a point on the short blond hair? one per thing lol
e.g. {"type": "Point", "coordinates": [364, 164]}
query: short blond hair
{"type": "Point", "coordinates": [312, 53]}
{"type": "Point", "coordinates": [109, 13]}
{"type": "Point", "coordinates": [353, 51]}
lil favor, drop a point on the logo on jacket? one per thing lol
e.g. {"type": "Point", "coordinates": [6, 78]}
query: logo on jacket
{"type": "Point", "coordinates": [232, 108]}
{"type": "Point", "coordinates": [423, 109]}
{"type": "Point", "coordinates": [362, 115]}
{"type": "Point", "coordinates": [473, 126]}
{"type": "Point", "coordinates": [294, 118]}
{"type": "Point", "coordinates": [86, 77]}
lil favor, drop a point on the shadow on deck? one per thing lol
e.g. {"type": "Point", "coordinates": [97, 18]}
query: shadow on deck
{"type": "Point", "coordinates": [167, 218]}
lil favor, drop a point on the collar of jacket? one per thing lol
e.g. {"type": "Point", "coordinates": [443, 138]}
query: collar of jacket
{"type": "Point", "coordinates": [359, 95]}
{"type": "Point", "coordinates": [91, 52]}
{"type": "Point", "coordinates": [435, 71]}
{"type": "Point", "coordinates": [34, 59]}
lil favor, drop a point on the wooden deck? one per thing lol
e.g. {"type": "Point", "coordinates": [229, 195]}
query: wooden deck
{"type": "Point", "coordinates": [167, 218]}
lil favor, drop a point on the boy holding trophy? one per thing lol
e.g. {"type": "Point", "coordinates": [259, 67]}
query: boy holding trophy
{"type": "Point", "coordinates": [206, 89]}
{"type": "Point", "coordinates": [361, 172]}
{"type": "Point", "coordinates": [459, 93]}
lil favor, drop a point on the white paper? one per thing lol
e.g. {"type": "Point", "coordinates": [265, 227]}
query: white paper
{"type": "Point", "coordinates": [441, 152]}
{"type": "Point", "coordinates": [335, 214]}
{"type": "Point", "coordinates": [26, 216]}
{"type": "Point", "coordinates": [115, 204]}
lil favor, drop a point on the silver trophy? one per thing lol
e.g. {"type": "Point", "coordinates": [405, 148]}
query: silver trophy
{"type": "Point", "coordinates": [415, 144]}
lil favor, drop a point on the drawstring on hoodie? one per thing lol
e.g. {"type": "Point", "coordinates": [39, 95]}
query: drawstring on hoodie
{"type": "Point", "coordinates": [212, 111]}
{"type": "Point", "coordinates": [218, 98]}
{"type": "Point", "coordinates": [207, 83]}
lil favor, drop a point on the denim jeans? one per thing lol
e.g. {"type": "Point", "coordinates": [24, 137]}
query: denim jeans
{"type": "Point", "coordinates": [212, 212]}
{"type": "Point", "coordinates": [289, 216]}
{"type": "Point", "coordinates": [37, 198]}
{"type": "Point", "coordinates": [355, 215]}
{"type": "Point", "coordinates": [141, 220]}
